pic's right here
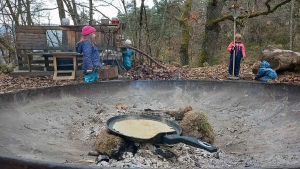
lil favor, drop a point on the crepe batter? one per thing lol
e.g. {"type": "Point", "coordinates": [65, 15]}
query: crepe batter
{"type": "Point", "coordinates": [141, 128]}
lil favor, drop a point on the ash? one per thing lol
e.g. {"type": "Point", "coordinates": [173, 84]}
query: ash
{"type": "Point", "coordinates": [178, 156]}
{"type": "Point", "coordinates": [66, 130]}
{"type": "Point", "coordinates": [158, 156]}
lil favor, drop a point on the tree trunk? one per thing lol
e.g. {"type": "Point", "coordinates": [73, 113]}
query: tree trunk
{"type": "Point", "coordinates": [185, 39]}
{"type": "Point", "coordinates": [140, 27]}
{"type": "Point", "coordinates": [28, 13]}
{"type": "Point", "coordinates": [91, 13]}
{"type": "Point", "coordinates": [71, 6]}
{"type": "Point", "coordinates": [78, 21]}
{"type": "Point", "coordinates": [124, 6]}
{"type": "Point", "coordinates": [279, 59]}
{"type": "Point", "coordinates": [135, 34]}
{"type": "Point", "coordinates": [291, 24]}
{"type": "Point", "coordinates": [62, 14]}
{"type": "Point", "coordinates": [212, 31]}
{"type": "Point", "coordinates": [147, 33]}
{"type": "Point", "coordinates": [61, 9]}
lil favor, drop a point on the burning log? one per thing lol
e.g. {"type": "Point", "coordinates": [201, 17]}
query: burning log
{"type": "Point", "coordinates": [279, 59]}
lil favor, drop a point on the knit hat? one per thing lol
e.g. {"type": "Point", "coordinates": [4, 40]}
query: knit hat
{"type": "Point", "coordinates": [87, 30]}
{"type": "Point", "coordinates": [128, 42]}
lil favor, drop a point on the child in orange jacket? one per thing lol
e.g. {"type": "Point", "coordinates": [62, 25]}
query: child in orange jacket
{"type": "Point", "coordinates": [240, 52]}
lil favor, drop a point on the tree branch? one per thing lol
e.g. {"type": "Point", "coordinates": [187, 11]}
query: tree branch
{"type": "Point", "coordinates": [5, 44]}
{"type": "Point", "coordinates": [176, 18]}
{"type": "Point", "coordinates": [253, 15]}
{"type": "Point", "coordinates": [149, 57]}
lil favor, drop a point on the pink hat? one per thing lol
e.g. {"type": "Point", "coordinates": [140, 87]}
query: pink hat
{"type": "Point", "coordinates": [87, 30]}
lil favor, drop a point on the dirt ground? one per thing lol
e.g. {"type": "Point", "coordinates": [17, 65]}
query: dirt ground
{"type": "Point", "coordinates": [256, 125]}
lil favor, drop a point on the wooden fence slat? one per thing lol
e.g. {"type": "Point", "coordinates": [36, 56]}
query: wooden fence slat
{"type": "Point", "coordinates": [42, 62]}
{"type": "Point", "coordinates": [44, 28]}
{"type": "Point", "coordinates": [31, 36]}
{"type": "Point", "coordinates": [41, 68]}
{"type": "Point", "coordinates": [37, 31]}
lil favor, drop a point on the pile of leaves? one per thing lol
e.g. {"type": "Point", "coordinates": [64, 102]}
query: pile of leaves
{"type": "Point", "coordinates": [147, 72]}
{"type": "Point", "coordinates": [10, 83]}
{"type": "Point", "coordinates": [216, 72]}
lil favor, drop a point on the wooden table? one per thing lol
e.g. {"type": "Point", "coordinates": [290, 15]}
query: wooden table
{"type": "Point", "coordinates": [71, 55]}
{"type": "Point", "coordinates": [55, 55]}
{"type": "Point", "coordinates": [40, 54]}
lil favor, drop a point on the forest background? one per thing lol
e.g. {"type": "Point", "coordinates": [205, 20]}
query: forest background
{"type": "Point", "coordinates": [185, 32]}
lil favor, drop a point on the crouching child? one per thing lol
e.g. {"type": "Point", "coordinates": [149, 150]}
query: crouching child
{"type": "Point", "coordinates": [265, 72]}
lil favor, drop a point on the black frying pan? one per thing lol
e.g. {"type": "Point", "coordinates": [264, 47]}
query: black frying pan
{"type": "Point", "coordinates": [160, 138]}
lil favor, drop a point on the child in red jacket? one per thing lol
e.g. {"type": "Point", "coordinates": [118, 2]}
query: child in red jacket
{"type": "Point", "coordinates": [238, 49]}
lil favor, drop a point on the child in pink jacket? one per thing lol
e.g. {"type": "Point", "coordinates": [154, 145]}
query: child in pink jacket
{"type": "Point", "coordinates": [240, 52]}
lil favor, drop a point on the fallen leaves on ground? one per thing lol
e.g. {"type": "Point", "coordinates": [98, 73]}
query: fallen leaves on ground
{"type": "Point", "coordinates": [121, 106]}
{"type": "Point", "coordinates": [9, 83]}
{"type": "Point", "coordinates": [147, 72]}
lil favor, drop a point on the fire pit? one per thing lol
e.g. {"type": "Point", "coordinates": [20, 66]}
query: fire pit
{"type": "Point", "coordinates": [256, 124]}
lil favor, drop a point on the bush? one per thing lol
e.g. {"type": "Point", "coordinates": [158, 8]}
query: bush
{"type": "Point", "coordinates": [6, 68]}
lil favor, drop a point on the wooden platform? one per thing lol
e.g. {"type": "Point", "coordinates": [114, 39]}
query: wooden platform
{"type": "Point", "coordinates": [78, 73]}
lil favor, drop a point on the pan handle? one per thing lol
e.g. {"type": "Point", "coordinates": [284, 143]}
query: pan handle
{"type": "Point", "coordinates": [175, 138]}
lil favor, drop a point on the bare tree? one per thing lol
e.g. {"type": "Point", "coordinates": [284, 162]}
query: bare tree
{"type": "Point", "coordinates": [124, 6]}
{"type": "Point", "coordinates": [72, 9]}
{"type": "Point", "coordinates": [15, 15]}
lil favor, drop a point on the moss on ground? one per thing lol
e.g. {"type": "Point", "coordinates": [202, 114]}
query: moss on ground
{"type": "Point", "coordinates": [195, 124]}
{"type": "Point", "coordinates": [108, 144]}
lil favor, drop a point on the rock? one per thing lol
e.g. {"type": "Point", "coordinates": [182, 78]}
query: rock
{"type": "Point", "coordinates": [104, 163]}
{"type": "Point", "coordinates": [279, 59]}
{"type": "Point", "coordinates": [217, 155]}
{"type": "Point", "coordinates": [178, 115]}
{"type": "Point", "coordinates": [127, 155]}
{"type": "Point", "coordinates": [195, 124]}
{"type": "Point", "coordinates": [110, 145]}
{"type": "Point", "coordinates": [165, 153]}
{"type": "Point", "coordinates": [102, 158]}
{"type": "Point", "coordinates": [93, 153]}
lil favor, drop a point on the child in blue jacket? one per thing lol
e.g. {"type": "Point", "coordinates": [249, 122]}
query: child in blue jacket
{"type": "Point", "coordinates": [91, 57]}
{"type": "Point", "coordinates": [126, 54]}
{"type": "Point", "coordinates": [265, 72]}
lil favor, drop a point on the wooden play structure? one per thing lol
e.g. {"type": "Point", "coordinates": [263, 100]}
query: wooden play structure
{"type": "Point", "coordinates": [53, 48]}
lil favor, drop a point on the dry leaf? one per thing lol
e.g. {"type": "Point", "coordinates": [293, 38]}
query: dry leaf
{"type": "Point", "coordinates": [121, 106]}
